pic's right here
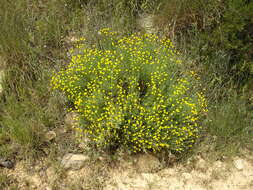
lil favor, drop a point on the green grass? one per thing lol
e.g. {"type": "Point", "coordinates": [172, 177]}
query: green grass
{"type": "Point", "coordinates": [31, 43]}
{"type": "Point", "coordinates": [230, 123]}
{"type": "Point", "coordinates": [25, 120]}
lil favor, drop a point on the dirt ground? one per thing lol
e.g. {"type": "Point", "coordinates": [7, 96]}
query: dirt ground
{"type": "Point", "coordinates": [143, 172]}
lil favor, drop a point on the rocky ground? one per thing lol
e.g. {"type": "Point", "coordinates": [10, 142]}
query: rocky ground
{"type": "Point", "coordinates": [139, 172]}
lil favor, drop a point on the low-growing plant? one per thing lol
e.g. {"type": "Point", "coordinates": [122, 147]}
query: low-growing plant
{"type": "Point", "coordinates": [178, 17]}
{"type": "Point", "coordinates": [25, 120]}
{"type": "Point", "coordinates": [133, 92]}
{"type": "Point", "coordinates": [231, 125]}
{"type": "Point", "coordinates": [31, 43]}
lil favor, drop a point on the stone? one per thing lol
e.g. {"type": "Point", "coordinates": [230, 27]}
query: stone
{"type": "Point", "coordinates": [187, 176]}
{"type": "Point", "coordinates": [201, 163]}
{"type": "Point", "coordinates": [150, 177]}
{"type": "Point", "coordinates": [239, 164]}
{"type": "Point", "coordinates": [147, 163]}
{"type": "Point", "coordinates": [50, 135]}
{"type": "Point", "coordinates": [82, 145]}
{"type": "Point", "coordinates": [147, 23]}
{"type": "Point", "coordinates": [219, 165]}
{"type": "Point", "coordinates": [7, 164]}
{"type": "Point", "coordinates": [35, 180]}
{"type": "Point", "coordinates": [73, 39]}
{"type": "Point", "coordinates": [70, 119]}
{"type": "Point", "coordinates": [74, 161]}
{"type": "Point", "coordinates": [51, 175]}
{"type": "Point", "coordinates": [62, 130]}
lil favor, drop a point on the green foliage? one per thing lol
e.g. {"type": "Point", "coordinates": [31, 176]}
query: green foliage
{"type": "Point", "coordinates": [134, 6]}
{"type": "Point", "coordinates": [28, 38]}
{"type": "Point", "coordinates": [231, 125]}
{"type": "Point", "coordinates": [13, 35]}
{"type": "Point", "coordinates": [177, 17]}
{"type": "Point", "coordinates": [133, 92]}
{"type": "Point", "coordinates": [117, 14]}
{"type": "Point", "coordinates": [31, 43]}
{"type": "Point", "coordinates": [223, 26]}
{"type": "Point", "coordinates": [25, 119]}
{"type": "Point", "coordinates": [234, 35]}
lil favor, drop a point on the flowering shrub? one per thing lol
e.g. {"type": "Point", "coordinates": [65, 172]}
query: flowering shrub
{"type": "Point", "coordinates": [133, 92]}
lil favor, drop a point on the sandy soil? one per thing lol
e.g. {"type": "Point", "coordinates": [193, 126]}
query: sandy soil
{"type": "Point", "coordinates": [143, 172]}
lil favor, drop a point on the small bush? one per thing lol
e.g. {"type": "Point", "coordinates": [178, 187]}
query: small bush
{"type": "Point", "coordinates": [133, 92]}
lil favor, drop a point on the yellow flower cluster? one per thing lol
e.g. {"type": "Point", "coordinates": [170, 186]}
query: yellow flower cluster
{"type": "Point", "coordinates": [132, 92]}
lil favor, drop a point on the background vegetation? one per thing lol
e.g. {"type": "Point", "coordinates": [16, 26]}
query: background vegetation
{"type": "Point", "coordinates": [215, 36]}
